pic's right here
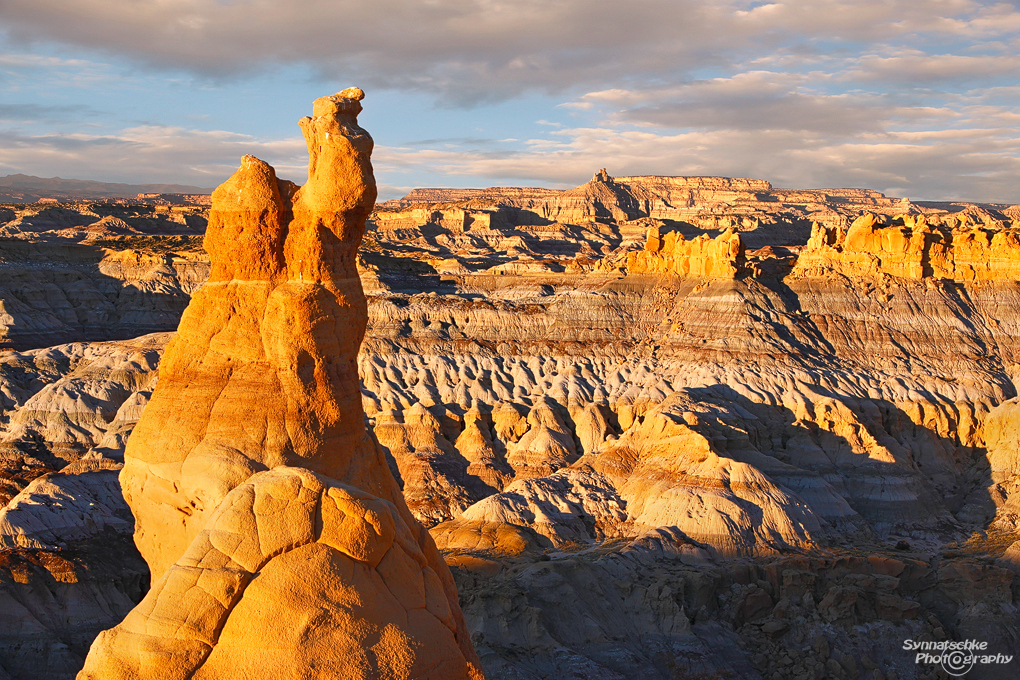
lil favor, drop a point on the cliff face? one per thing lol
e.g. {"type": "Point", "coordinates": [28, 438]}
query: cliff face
{"type": "Point", "coordinates": [831, 392]}
{"type": "Point", "coordinates": [960, 249]}
{"type": "Point", "coordinates": [262, 506]}
{"type": "Point", "coordinates": [705, 202]}
{"type": "Point", "coordinates": [721, 257]}
{"type": "Point", "coordinates": [673, 197]}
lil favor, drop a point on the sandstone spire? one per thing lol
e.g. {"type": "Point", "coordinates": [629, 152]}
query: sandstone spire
{"type": "Point", "coordinates": [277, 538]}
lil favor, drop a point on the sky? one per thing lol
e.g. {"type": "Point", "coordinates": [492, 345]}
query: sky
{"type": "Point", "coordinates": [915, 98]}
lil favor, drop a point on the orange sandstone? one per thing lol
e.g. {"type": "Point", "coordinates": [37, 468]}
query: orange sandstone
{"type": "Point", "coordinates": [700, 257]}
{"type": "Point", "coordinates": [958, 250]}
{"type": "Point", "coordinates": [277, 538]}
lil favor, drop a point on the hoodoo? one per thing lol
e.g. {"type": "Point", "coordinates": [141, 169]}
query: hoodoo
{"type": "Point", "coordinates": [278, 540]}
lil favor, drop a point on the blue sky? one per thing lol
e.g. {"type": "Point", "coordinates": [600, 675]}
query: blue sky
{"type": "Point", "coordinates": [914, 98]}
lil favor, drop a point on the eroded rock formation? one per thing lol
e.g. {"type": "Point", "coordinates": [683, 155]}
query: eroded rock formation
{"type": "Point", "coordinates": [968, 247]}
{"type": "Point", "coordinates": [266, 513]}
{"type": "Point", "coordinates": [706, 257]}
{"type": "Point", "coordinates": [69, 402]}
{"type": "Point", "coordinates": [96, 271]}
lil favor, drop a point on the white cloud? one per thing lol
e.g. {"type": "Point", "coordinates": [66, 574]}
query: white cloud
{"type": "Point", "coordinates": [754, 100]}
{"type": "Point", "coordinates": [148, 154]}
{"type": "Point", "coordinates": [872, 20]}
{"type": "Point", "coordinates": [467, 48]}
{"type": "Point", "coordinates": [919, 68]}
{"type": "Point", "coordinates": [479, 49]}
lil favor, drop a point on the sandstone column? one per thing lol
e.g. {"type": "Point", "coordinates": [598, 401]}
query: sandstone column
{"type": "Point", "coordinates": [278, 540]}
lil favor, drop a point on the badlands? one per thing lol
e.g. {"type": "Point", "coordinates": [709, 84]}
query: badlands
{"type": "Point", "coordinates": [658, 427]}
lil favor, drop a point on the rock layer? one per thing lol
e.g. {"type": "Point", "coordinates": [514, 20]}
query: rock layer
{"type": "Point", "coordinates": [256, 421]}
{"type": "Point", "coordinates": [96, 271]}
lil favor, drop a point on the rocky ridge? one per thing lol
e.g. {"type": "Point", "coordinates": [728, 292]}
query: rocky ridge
{"type": "Point", "coordinates": [954, 248]}
{"type": "Point", "coordinates": [750, 205]}
{"type": "Point", "coordinates": [702, 257]}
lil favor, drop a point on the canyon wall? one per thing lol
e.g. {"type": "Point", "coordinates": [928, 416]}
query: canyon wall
{"type": "Point", "coordinates": [96, 271]}
{"type": "Point", "coordinates": [703, 202]}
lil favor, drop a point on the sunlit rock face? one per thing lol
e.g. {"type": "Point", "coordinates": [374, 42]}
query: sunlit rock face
{"type": "Point", "coordinates": [704, 257]}
{"type": "Point", "coordinates": [267, 514]}
{"type": "Point", "coordinates": [951, 249]}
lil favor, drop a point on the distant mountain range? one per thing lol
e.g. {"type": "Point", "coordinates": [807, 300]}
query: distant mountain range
{"type": "Point", "coordinates": [28, 189]}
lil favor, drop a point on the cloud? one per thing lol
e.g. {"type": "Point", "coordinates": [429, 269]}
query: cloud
{"type": "Point", "coordinates": [37, 61]}
{"type": "Point", "coordinates": [26, 71]}
{"type": "Point", "coordinates": [768, 101]}
{"type": "Point", "coordinates": [876, 20]}
{"type": "Point", "coordinates": [758, 100]}
{"type": "Point", "coordinates": [466, 48]}
{"type": "Point", "coordinates": [456, 141]}
{"type": "Point", "coordinates": [973, 163]}
{"type": "Point", "coordinates": [912, 95]}
{"type": "Point", "coordinates": [918, 68]}
{"type": "Point", "coordinates": [472, 50]}
{"type": "Point", "coordinates": [22, 112]}
{"type": "Point", "coordinates": [148, 153]}
{"type": "Point", "coordinates": [32, 113]}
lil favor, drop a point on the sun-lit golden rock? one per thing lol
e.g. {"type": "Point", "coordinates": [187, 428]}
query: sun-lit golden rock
{"type": "Point", "coordinates": [293, 572]}
{"type": "Point", "coordinates": [476, 445]}
{"type": "Point", "coordinates": [960, 249]}
{"type": "Point", "coordinates": [1002, 437]}
{"type": "Point", "coordinates": [262, 371]}
{"type": "Point", "coordinates": [546, 447]}
{"type": "Point", "coordinates": [267, 514]}
{"type": "Point", "coordinates": [431, 470]}
{"type": "Point", "coordinates": [498, 538]}
{"type": "Point", "coordinates": [702, 256]}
